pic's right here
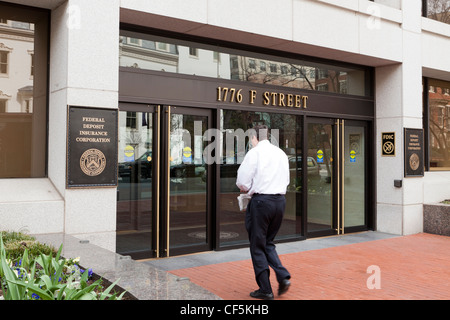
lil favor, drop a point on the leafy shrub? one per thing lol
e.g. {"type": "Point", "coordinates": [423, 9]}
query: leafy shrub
{"type": "Point", "coordinates": [17, 248]}
{"type": "Point", "coordinates": [16, 242]}
{"type": "Point", "coordinates": [9, 236]}
{"type": "Point", "coordinates": [25, 276]}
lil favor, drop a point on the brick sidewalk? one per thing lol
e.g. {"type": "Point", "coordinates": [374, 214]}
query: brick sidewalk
{"type": "Point", "coordinates": [411, 267]}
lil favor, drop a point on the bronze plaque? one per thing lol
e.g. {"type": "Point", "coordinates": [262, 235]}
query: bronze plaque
{"type": "Point", "coordinates": [388, 144]}
{"type": "Point", "coordinates": [91, 147]}
{"type": "Point", "coordinates": [414, 155]}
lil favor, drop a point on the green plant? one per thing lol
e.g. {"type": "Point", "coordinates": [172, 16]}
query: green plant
{"type": "Point", "coordinates": [9, 236]}
{"type": "Point", "coordinates": [48, 278]}
{"type": "Point", "coordinates": [16, 242]}
{"type": "Point", "coordinates": [16, 248]}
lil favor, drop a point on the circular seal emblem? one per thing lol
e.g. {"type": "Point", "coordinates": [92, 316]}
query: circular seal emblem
{"type": "Point", "coordinates": [92, 162]}
{"type": "Point", "coordinates": [414, 161]}
{"type": "Point", "coordinates": [388, 147]}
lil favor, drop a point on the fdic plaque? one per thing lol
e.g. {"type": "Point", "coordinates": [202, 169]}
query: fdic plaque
{"type": "Point", "coordinates": [414, 155]}
{"type": "Point", "coordinates": [388, 144]}
{"type": "Point", "coordinates": [91, 147]}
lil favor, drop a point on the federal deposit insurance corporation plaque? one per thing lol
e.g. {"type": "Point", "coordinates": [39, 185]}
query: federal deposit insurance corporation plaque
{"type": "Point", "coordinates": [414, 154]}
{"type": "Point", "coordinates": [91, 147]}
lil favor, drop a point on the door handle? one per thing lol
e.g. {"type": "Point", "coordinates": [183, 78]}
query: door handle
{"type": "Point", "coordinates": [340, 161]}
{"type": "Point", "coordinates": [158, 149]}
{"type": "Point", "coordinates": [168, 183]}
{"type": "Point", "coordinates": [338, 176]}
{"type": "Point", "coordinates": [342, 176]}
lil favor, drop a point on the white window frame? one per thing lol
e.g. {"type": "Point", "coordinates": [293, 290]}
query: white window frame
{"type": "Point", "coordinates": [2, 50]}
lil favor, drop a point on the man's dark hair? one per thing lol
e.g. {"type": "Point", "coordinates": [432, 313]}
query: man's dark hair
{"type": "Point", "coordinates": [261, 131]}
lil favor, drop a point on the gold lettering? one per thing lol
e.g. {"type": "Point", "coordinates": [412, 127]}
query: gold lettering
{"type": "Point", "coordinates": [304, 99]}
{"type": "Point", "coordinates": [281, 100]}
{"type": "Point", "coordinates": [219, 91]}
{"type": "Point", "coordinates": [269, 98]}
{"type": "Point", "coordinates": [252, 96]}
{"type": "Point", "coordinates": [93, 133]}
{"type": "Point", "coordinates": [83, 139]}
{"type": "Point", "coordinates": [225, 93]}
{"type": "Point", "coordinates": [274, 98]}
{"type": "Point", "coordinates": [93, 126]}
{"type": "Point", "coordinates": [266, 100]}
{"type": "Point", "coordinates": [290, 100]}
{"type": "Point", "coordinates": [232, 91]}
{"type": "Point", "coordinates": [297, 100]}
{"type": "Point", "coordinates": [89, 119]}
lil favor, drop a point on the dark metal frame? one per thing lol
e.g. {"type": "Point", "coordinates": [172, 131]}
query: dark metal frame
{"type": "Point", "coordinates": [325, 121]}
{"type": "Point", "coordinates": [42, 18]}
{"type": "Point", "coordinates": [164, 185]}
{"type": "Point", "coordinates": [198, 93]}
{"type": "Point", "coordinates": [426, 123]}
{"type": "Point", "coordinates": [426, 115]}
{"type": "Point", "coordinates": [160, 159]}
{"type": "Point", "coordinates": [154, 87]}
{"type": "Point", "coordinates": [152, 251]}
{"type": "Point", "coordinates": [368, 181]}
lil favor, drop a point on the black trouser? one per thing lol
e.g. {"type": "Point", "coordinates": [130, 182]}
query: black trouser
{"type": "Point", "coordinates": [263, 220]}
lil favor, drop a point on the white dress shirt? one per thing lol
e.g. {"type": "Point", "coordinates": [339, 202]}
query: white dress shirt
{"type": "Point", "coordinates": [265, 170]}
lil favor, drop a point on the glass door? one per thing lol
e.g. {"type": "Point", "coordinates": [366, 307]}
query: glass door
{"type": "Point", "coordinates": [285, 132]}
{"type": "Point", "coordinates": [355, 190]}
{"type": "Point", "coordinates": [337, 191]}
{"type": "Point", "coordinates": [162, 195]}
{"type": "Point", "coordinates": [186, 193]}
{"type": "Point", "coordinates": [138, 183]}
{"type": "Point", "coordinates": [321, 153]}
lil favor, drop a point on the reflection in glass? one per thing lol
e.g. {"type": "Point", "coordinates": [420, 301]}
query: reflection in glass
{"type": "Point", "coordinates": [320, 180]}
{"type": "Point", "coordinates": [188, 180]}
{"type": "Point", "coordinates": [439, 124]}
{"type": "Point", "coordinates": [22, 96]}
{"type": "Point", "coordinates": [438, 10]}
{"type": "Point", "coordinates": [135, 183]}
{"type": "Point", "coordinates": [285, 132]}
{"type": "Point", "coordinates": [146, 52]}
{"type": "Point", "coordinates": [354, 176]}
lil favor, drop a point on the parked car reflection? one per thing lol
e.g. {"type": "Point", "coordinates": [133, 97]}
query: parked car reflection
{"type": "Point", "coordinates": [142, 167]}
{"type": "Point", "coordinates": [295, 166]}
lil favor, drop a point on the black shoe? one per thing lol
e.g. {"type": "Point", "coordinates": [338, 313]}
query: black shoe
{"type": "Point", "coordinates": [284, 286]}
{"type": "Point", "coordinates": [260, 295]}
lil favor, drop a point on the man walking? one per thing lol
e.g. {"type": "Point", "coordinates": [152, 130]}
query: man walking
{"type": "Point", "coordinates": [264, 174]}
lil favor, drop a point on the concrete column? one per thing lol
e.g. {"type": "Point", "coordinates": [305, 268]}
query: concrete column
{"type": "Point", "coordinates": [84, 72]}
{"type": "Point", "coordinates": [398, 106]}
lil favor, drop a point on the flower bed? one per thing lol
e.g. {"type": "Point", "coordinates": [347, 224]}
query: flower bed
{"type": "Point", "coordinates": [33, 271]}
